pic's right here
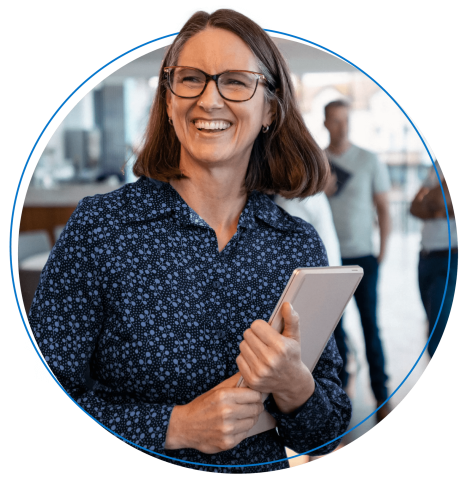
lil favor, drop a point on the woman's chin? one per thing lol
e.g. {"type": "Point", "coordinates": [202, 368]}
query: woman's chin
{"type": "Point", "coordinates": [211, 155]}
{"type": "Point", "coordinates": [214, 159]}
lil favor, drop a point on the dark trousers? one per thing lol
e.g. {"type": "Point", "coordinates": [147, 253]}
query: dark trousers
{"type": "Point", "coordinates": [366, 299]}
{"type": "Point", "coordinates": [432, 275]}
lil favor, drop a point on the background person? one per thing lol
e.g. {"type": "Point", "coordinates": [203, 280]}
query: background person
{"type": "Point", "coordinates": [428, 205]}
{"type": "Point", "coordinates": [156, 287]}
{"type": "Point", "coordinates": [316, 211]}
{"type": "Point", "coordinates": [359, 184]}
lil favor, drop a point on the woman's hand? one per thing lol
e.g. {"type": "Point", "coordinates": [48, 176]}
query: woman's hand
{"type": "Point", "coordinates": [216, 421]}
{"type": "Point", "coordinates": [271, 363]}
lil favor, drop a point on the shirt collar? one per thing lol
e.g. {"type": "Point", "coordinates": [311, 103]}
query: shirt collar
{"type": "Point", "coordinates": [150, 199]}
{"type": "Point", "coordinates": [269, 212]}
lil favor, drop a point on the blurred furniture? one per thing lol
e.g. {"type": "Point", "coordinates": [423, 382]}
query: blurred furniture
{"type": "Point", "coordinates": [33, 251]}
{"type": "Point", "coordinates": [58, 229]}
{"type": "Point", "coordinates": [32, 243]}
{"type": "Point", "coordinates": [29, 280]}
{"type": "Point", "coordinates": [47, 218]}
{"type": "Point", "coordinates": [49, 209]}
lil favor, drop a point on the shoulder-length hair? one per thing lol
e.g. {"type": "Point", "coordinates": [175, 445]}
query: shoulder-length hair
{"type": "Point", "coordinates": [286, 160]}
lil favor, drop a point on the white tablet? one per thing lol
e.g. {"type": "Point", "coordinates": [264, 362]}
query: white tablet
{"type": "Point", "coordinates": [319, 295]}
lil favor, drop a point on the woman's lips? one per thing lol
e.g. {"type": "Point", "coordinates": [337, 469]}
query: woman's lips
{"type": "Point", "coordinates": [212, 126]}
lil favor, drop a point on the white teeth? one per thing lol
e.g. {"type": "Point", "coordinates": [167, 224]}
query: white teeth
{"type": "Point", "coordinates": [219, 125]}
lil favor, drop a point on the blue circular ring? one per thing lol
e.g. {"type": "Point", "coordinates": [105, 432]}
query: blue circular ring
{"type": "Point", "coordinates": [207, 464]}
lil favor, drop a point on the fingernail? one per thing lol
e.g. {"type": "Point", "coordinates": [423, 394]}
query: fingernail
{"type": "Point", "coordinates": [293, 311]}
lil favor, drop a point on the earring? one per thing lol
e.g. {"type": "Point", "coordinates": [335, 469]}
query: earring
{"type": "Point", "coordinates": [171, 121]}
{"type": "Point", "coordinates": [265, 129]}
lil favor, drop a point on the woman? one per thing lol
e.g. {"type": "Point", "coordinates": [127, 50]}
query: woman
{"type": "Point", "coordinates": [158, 286]}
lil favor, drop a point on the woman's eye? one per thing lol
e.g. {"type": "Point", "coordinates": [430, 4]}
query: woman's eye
{"type": "Point", "coordinates": [191, 80]}
{"type": "Point", "coordinates": [232, 82]}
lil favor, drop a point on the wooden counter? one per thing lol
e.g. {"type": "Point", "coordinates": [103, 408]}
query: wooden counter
{"type": "Point", "coordinates": [45, 209]}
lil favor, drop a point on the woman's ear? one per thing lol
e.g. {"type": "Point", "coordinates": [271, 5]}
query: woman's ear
{"type": "Point", "coordinates": [269, 113]}
{"type": "Point", "coordinates": [168, 97]}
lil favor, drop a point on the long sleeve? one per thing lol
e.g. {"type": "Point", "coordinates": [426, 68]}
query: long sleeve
{"type": "Point", "coordinates": [325, 415]}
{"type": "Point", "coordinates": [68, 315]}
{"type": "Point", "coordinates": [137, 296]}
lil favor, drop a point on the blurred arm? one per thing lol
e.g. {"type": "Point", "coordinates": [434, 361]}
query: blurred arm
{"type": "Point", "coordinates": [331, 186]}
{"type": "Point", "coordinates": [429, 203]}
{"type": "Point", "coordinates": [384, 221]}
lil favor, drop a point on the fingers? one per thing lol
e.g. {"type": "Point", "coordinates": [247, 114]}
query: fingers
{"type": "Point", "coordinates": [269, 336]}
{"type": "Point", "coordinates": [250, 410]}
{"type": "Point", "coordinates": [239, 409]}
{"type": "Point", "coordinates": [257, 361]}
{"type": "Point", "coordinates": [216, 420]}
{"type": "Point", "coordinates": [253, 349]}
{"type": "Point", "coordinates": [267, 358]}
{"type": "Point", "coordinates": [236, 396]}
{"type": "Point", "coordinates": [291, 322]}
{"type": "Point", "coordinates": [264, 332]}
{"type": "Point", "coordinates": [242, 426]}
{"type": "Point", "coordinates": [243, 366]}
{"type": "Point", "coordinates": [244, 396]}
{"type": "Point", "coordinates": [236, 432]}
{"type": "Point", "coordinates": [230, 382]}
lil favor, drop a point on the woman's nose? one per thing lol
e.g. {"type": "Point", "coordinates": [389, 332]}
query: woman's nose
{"type": "Point", "coordinates": [211, 97]}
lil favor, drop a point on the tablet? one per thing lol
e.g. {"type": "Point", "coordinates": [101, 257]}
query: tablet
{"type": "Point", "coordinates": [319, 295]}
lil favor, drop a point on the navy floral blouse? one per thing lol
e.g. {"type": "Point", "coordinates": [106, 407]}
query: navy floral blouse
{"type": "Point", "coordinates": [136, 294]}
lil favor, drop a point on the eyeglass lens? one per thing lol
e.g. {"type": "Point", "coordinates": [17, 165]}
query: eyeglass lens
{"type": "Point", "coordinates": [237, 86]}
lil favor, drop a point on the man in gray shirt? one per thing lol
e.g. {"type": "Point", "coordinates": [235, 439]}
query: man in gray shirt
{"type": "Point", "coordinates": [359, 184]}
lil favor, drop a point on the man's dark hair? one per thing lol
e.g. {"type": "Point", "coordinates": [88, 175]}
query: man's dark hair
{"type": "Point", "coordinates": [286, 160]}
{"type": "Point", "coordinates": [335, 104]}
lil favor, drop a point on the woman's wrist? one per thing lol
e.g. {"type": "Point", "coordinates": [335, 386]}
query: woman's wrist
{"type": "Point", "coordinates": [299, 391]}
{"type": "Point", "coordinates": [174, 438]}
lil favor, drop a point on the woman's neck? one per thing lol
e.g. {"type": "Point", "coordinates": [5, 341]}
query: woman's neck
{"type": "Point", "coordinates": [217, 196]}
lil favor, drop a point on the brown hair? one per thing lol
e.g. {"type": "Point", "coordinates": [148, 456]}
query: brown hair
{"type": "Point", "coordinates": [285, 160]}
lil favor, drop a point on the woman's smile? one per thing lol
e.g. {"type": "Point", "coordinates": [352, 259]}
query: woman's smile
{"type": "Point", "coordinates": [213, 130]}
{"type": "Point", "coordinates": [211, 126]}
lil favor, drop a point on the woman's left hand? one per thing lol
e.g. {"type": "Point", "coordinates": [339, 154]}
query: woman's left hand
{"type": "Point", "coordinates": [270, 362]}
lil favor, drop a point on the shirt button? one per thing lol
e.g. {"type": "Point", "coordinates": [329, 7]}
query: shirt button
{"type": "Point", "coordinates": [216, 284]}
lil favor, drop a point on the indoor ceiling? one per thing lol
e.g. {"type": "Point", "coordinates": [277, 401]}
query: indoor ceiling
{"type": "Point", "coordinates": [301, 59]}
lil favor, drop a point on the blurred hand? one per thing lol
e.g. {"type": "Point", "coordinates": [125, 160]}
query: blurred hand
{"type": "Point", "coordinates": [380, 257]}
{"type": "Point", "coordinates": [270, 362]}
{"type": "Point", "coordinates": [331, 186]}
{"type": "Point", "coordinates": [216, 421]}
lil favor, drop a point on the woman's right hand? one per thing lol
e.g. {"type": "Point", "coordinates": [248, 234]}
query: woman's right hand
{"type": "Point", "coordinates": [216, 421]}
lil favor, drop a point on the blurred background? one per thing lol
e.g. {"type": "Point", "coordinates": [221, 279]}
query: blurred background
{"type": "Point", "coordinates": [92, 151]}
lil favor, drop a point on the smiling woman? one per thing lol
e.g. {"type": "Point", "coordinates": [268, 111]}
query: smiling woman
{"type": "Point", "coordinates": [160, 289]}
{"type": "Point", "coordinates": [284, 158]}
{"type": "Point", "coordinates": [217, 50]}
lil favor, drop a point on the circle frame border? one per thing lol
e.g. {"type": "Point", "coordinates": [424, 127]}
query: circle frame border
{"type": "Point", "coordinates": [207, 464]}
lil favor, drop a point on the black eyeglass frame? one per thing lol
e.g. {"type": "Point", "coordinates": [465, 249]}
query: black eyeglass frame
{"type": "Point", "coordinates": [216, 80]}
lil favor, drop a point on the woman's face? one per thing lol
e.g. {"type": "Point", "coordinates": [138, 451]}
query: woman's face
{"type": "Point", "coordinates": [215, 51]}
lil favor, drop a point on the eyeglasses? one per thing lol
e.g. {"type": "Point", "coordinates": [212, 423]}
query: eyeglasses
{"type": "Point", "coordinates": [233, 85]}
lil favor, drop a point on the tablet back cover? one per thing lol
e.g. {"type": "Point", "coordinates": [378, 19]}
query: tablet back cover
{"type": "Point", "coordinates": [319, 296]}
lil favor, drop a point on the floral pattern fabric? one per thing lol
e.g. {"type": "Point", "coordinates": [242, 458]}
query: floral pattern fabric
{"type": "Point", "coordinates": [136, 294]}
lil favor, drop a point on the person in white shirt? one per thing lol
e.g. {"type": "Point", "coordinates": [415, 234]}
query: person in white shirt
{"type": "Point", "coordinates": [316, 211]}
